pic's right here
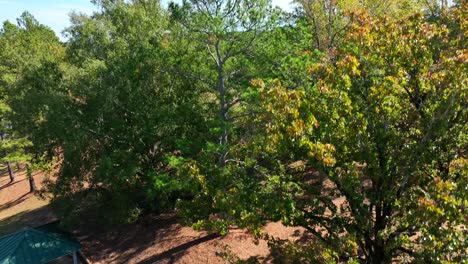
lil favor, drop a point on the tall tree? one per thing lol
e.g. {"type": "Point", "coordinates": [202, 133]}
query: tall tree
{"type": "Point", "coordinates": [231, 42]}
{"type": "Point", "coordinates": [383, 123]}
{"type": "Point", "coordinates": [118, 110]}
{"type": "Point", "coordinates": [23, 46]}
{"type": "Point", "coordinates": [226, 31]}
{"type": "Point", "coordinates": [32, 183]}
{"type": "Point", "coordinates": [13, 148]}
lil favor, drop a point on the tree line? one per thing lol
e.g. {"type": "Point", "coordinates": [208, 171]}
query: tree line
{"type": "Point", "coordinates": [347, 118]}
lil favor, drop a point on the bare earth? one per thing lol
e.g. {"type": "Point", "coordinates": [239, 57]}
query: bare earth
{"type": "Point", "coordinates": [160, 239]}
{"type": "Point", "coordinates": [18, 207]}
{"type": "Point", "coordinates": [152, 239]}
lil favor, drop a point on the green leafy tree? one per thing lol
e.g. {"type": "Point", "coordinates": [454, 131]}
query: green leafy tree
{"type": "Point", "coordinates": [226, 33]}
{"type": "Point", "coordinates": [23, 47]}
{"type": "Point", "coordinates": [12, 147]}
{"type": "Point", "coordinates": [371, 156]}
{"type": "Point", "coordinates": [118, 109]}
{"type": "Point", "coordinates": [231, 42]}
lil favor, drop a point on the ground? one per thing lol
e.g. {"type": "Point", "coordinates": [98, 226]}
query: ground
{"type": "Point", "coordinates": [18, 207]}
{"type": "Point", "coordinates": [152, 239]}
{"type": "Point", "coordinates": [160, 239]}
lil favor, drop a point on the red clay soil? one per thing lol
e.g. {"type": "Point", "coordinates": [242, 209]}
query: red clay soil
{"type": "Point", "coordinates": [160, 239]}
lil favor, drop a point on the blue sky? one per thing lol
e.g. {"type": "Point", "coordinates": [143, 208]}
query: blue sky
{"type": "Point", "coordinates": [54, 13]}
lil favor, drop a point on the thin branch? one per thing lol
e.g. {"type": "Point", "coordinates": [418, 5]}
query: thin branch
{"type": "Point", "coordinates": [237, 100]}
{"type": "Point", "coordinates": [212, 55]}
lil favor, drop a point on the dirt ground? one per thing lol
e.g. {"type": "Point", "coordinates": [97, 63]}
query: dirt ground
{"type": "Point", "coordinates": [18, 207]}
{"type": "Point", "coordinates": [160, 239]}
{"type": "Point", "coordinates": [152, 239]}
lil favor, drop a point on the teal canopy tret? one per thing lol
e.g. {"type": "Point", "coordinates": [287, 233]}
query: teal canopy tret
{"type": "Point", "coordinates": [31, 246]}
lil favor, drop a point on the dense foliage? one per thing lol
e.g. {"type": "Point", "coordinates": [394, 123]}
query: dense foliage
{"type": "Point", "coordinates": [347, 118]}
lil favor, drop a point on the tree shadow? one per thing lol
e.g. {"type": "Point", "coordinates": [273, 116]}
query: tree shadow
{"type": "Point", "coordinates": [30, 218]}
{"type": "Point", "coordinates": [128, 242]}
{"type": "Point", "coordinates": [10, 184]}
{"type": "Point", "coordinates": [4, 179]}
{"type": "Point", "coordinates": [19, 200]}
{"type": "Point", "coordinates": [171, 253]}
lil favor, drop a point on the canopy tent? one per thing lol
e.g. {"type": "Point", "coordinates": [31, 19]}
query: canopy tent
{"type": "Point", "coordinates": [31, 246]}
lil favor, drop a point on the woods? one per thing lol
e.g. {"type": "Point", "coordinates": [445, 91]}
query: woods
{"type": "Point", "coordinates": [346, 118]}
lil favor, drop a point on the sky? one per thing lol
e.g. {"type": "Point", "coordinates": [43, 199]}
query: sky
{"type": "Point", "coordinates": [54, 13]}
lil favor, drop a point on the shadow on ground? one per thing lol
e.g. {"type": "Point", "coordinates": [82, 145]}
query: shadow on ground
{"type": "Point", "coordinates": [30, 218]}
{"type": "Point", "coordinates": [17, 201]}
{"type": "Point", "coordinates": [171, 254]}
{"type": "Point", "coordinates": [162, 239]}
{"type": "Point", "coordinates": [10, 184]}
{"type": "Point", "coordinates": [130, 242]}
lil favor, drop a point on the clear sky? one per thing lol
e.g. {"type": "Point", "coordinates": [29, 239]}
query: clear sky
{"type": "Point", "coordinates": [54, 13]}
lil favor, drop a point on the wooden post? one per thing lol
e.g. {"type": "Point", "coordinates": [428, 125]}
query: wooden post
{"type": "Point", "coordinates": [75, 258]}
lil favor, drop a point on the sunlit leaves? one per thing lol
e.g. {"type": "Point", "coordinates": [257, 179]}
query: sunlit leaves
{"type": "Point", "coordinates": [372, 119]}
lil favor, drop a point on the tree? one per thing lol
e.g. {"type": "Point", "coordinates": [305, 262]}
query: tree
{"type": "Point", "coordinates": [348, 123]}
{"type": "Point", "coordinates": [231, 42]}
{"type": "Point", "coordinates": [383, 123]}
{"type": "Point", "coordinates": [32, 183]}
{"type": "Point", "coordinates": [2, 136]}
{"type": "Point", "coordinates": [17, 54]}
{"type": "Point", "coordinates": [226, 32]}
{"type": "Point", "coordinates": [328, 21]}
{"type": "Point", "coordinates": [12, 147]}
{"type": "Point", "coordinates": [115, 109]}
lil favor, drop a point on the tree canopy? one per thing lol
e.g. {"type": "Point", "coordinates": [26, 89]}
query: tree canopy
{"type": "Point", "coordinates": [346, 118]}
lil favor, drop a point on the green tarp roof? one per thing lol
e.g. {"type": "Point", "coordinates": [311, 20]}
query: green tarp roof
{"type": "Point", "coordinates": [31, 246]}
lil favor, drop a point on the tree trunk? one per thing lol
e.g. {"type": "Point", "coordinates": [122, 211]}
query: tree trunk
{"type": "Point", "coordinates": [224, 136]}
{"type": "Point", "coordinates": [10, 172]}
{"type": "Point", "coordinates": [32, 183]}
{"type": "Point", "coordinates": [379, 256]}
{"type": "Point", "coordinates": [18, 166]}
{"type": "Point", "coordinates": [376, 251]}
{"type": "Point", "coordinates": [223, 108]}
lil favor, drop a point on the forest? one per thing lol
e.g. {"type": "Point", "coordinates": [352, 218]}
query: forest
{"type": "Point", "coordinates": [236, 113]}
